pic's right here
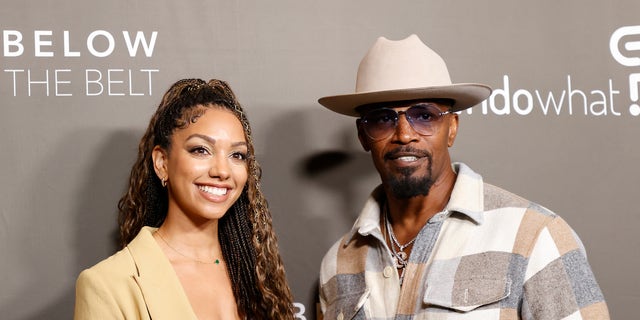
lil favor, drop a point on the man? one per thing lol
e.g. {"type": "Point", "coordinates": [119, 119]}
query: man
{"type": "Point", "coordinates": [434, 241]}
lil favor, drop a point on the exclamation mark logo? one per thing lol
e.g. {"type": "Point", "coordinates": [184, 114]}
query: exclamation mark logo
{"type": "Point", "coordinates": [630, 47]}
{"type": "Point", "coordinates": [634, 81]}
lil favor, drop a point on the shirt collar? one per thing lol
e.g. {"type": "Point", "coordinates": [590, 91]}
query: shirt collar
{"type": "Point", "coordinates": [467, 198]}
{"type": "Point", "coordinates": [368, 222]}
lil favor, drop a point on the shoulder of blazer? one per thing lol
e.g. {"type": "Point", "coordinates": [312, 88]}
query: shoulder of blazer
{"type": "Point", "coordinates": [119, 264]}
{"type": "Point", "coordinates": [123, 262]}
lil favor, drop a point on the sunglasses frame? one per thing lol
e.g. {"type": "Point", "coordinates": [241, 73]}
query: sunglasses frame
{"type": "Point", "coordinates": [438, 116]}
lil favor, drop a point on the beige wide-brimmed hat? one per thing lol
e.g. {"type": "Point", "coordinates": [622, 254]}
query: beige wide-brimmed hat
{"type": "Point", "coordinates": [404, 70]}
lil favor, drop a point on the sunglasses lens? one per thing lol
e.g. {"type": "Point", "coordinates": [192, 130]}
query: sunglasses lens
{"type": "Point", "coordinates": [379, 123]}
{"type": "Point", "coordinates": [424, 118]}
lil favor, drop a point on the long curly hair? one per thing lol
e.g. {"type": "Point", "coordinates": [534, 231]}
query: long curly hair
{"type": "Point", "coordinates": [247, 239]}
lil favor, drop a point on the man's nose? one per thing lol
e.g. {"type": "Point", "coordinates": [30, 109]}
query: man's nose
{"type": "Point", "coordinates": [404, 132]}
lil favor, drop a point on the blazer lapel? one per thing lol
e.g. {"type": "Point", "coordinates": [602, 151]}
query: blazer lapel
{"type": "Point", "coordinates": [160, 286]}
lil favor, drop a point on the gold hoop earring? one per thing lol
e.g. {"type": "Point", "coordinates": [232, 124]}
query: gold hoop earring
{"type": "Point", "coordinates": [164, 182]}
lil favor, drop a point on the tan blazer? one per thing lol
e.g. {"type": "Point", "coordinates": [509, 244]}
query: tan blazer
{"type": "Point", "coordinates": [138, 282]}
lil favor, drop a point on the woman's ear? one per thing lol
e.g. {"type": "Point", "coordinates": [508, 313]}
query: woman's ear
{"type": "Point", "coordinates": [160, 162]}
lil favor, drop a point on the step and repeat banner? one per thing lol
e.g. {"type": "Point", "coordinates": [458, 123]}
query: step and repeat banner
{"type": "Point", "coordinates": [79, 81]}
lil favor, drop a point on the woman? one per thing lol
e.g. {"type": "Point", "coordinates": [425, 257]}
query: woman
{"type": "Point", "coordinates": [195, 226]}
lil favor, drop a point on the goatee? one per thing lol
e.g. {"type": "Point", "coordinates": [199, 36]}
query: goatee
{"type": "Point", "coordinates": [405, 186]}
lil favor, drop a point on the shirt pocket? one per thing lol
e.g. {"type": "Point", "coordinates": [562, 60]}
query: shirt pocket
{"type": "Point", "coordinates": [467, 294]}
{"type": "Point", "coordinates": [347, 305]}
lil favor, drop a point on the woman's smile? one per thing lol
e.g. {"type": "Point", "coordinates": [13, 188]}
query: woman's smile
{"type": "Point", "coordinates": [216, 191]}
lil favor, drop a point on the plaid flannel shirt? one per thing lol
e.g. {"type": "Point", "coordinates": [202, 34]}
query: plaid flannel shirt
{"type": "Point", "coordinates": [489, 255]}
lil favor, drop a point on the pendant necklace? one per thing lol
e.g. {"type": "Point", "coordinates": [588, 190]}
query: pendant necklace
{"type": "Point", "coordinates": [216, 261]}
{"type": "Point", "coordinates": [401, 258]}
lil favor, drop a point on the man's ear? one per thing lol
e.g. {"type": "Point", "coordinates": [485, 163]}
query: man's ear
{"type": "Point", "coordinates": [364, 141]}
{"type": "Point", "coordinates": [453, 129]}
{"type": "Point", "coordinates": [160, 157]}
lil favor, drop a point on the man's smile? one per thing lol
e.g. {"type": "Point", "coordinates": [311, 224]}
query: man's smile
{"type": "Point", "coordinates": [406, 155]}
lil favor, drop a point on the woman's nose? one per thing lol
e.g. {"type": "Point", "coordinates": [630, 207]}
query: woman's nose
{"type": "Point", "coordinates": [219, 167]}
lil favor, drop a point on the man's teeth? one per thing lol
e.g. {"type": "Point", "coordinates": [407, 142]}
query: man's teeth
{"type": "Point", "coordinates": [408, 158]}
{"type": "Point", "coordinates": [213, 190]}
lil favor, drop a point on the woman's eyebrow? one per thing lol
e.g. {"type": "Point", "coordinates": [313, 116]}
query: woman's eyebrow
{"type": "Point", "coordinates": [213, 141]}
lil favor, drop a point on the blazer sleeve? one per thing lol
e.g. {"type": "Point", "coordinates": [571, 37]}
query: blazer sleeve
{"type": "Point", "coordinates": [94, 300]}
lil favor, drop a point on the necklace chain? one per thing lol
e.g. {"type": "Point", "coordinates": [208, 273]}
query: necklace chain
{"type": "Point", "coordinates": [216, 261]}
{"type": "Point", "coordinates": [401, 257]}
{"type": "Point", "coordinates": [401, 247]}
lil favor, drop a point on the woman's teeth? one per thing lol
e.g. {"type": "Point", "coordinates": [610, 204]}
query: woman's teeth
{"type": "Point", "coordinates": [213, 190]}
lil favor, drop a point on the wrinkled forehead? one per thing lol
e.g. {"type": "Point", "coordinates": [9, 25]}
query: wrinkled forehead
{"type": "Point", "coordinates": [443, 104]}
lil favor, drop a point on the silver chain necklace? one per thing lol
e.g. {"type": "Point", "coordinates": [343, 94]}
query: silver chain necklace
{"type": "Point", "coordinates": [400, 257]}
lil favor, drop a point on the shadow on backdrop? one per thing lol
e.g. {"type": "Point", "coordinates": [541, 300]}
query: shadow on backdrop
{"type": "Point", "coordinates": [299, 180]}
{"type": "Point", "coordinates": [96, 210]}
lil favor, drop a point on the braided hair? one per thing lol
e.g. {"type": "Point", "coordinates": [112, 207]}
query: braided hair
{"type": "Point", "coordinates": [246, 235]}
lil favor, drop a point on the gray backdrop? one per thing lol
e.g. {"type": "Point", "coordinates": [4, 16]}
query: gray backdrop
{"type": "Point", "coordinates": [561, 128]}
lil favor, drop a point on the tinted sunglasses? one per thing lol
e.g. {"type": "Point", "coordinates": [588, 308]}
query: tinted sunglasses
{"type": "Point", "coordinates": [380, 123]}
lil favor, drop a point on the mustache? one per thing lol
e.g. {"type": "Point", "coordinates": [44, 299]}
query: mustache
{"type": "Point", "coordinates": [407, 150]}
